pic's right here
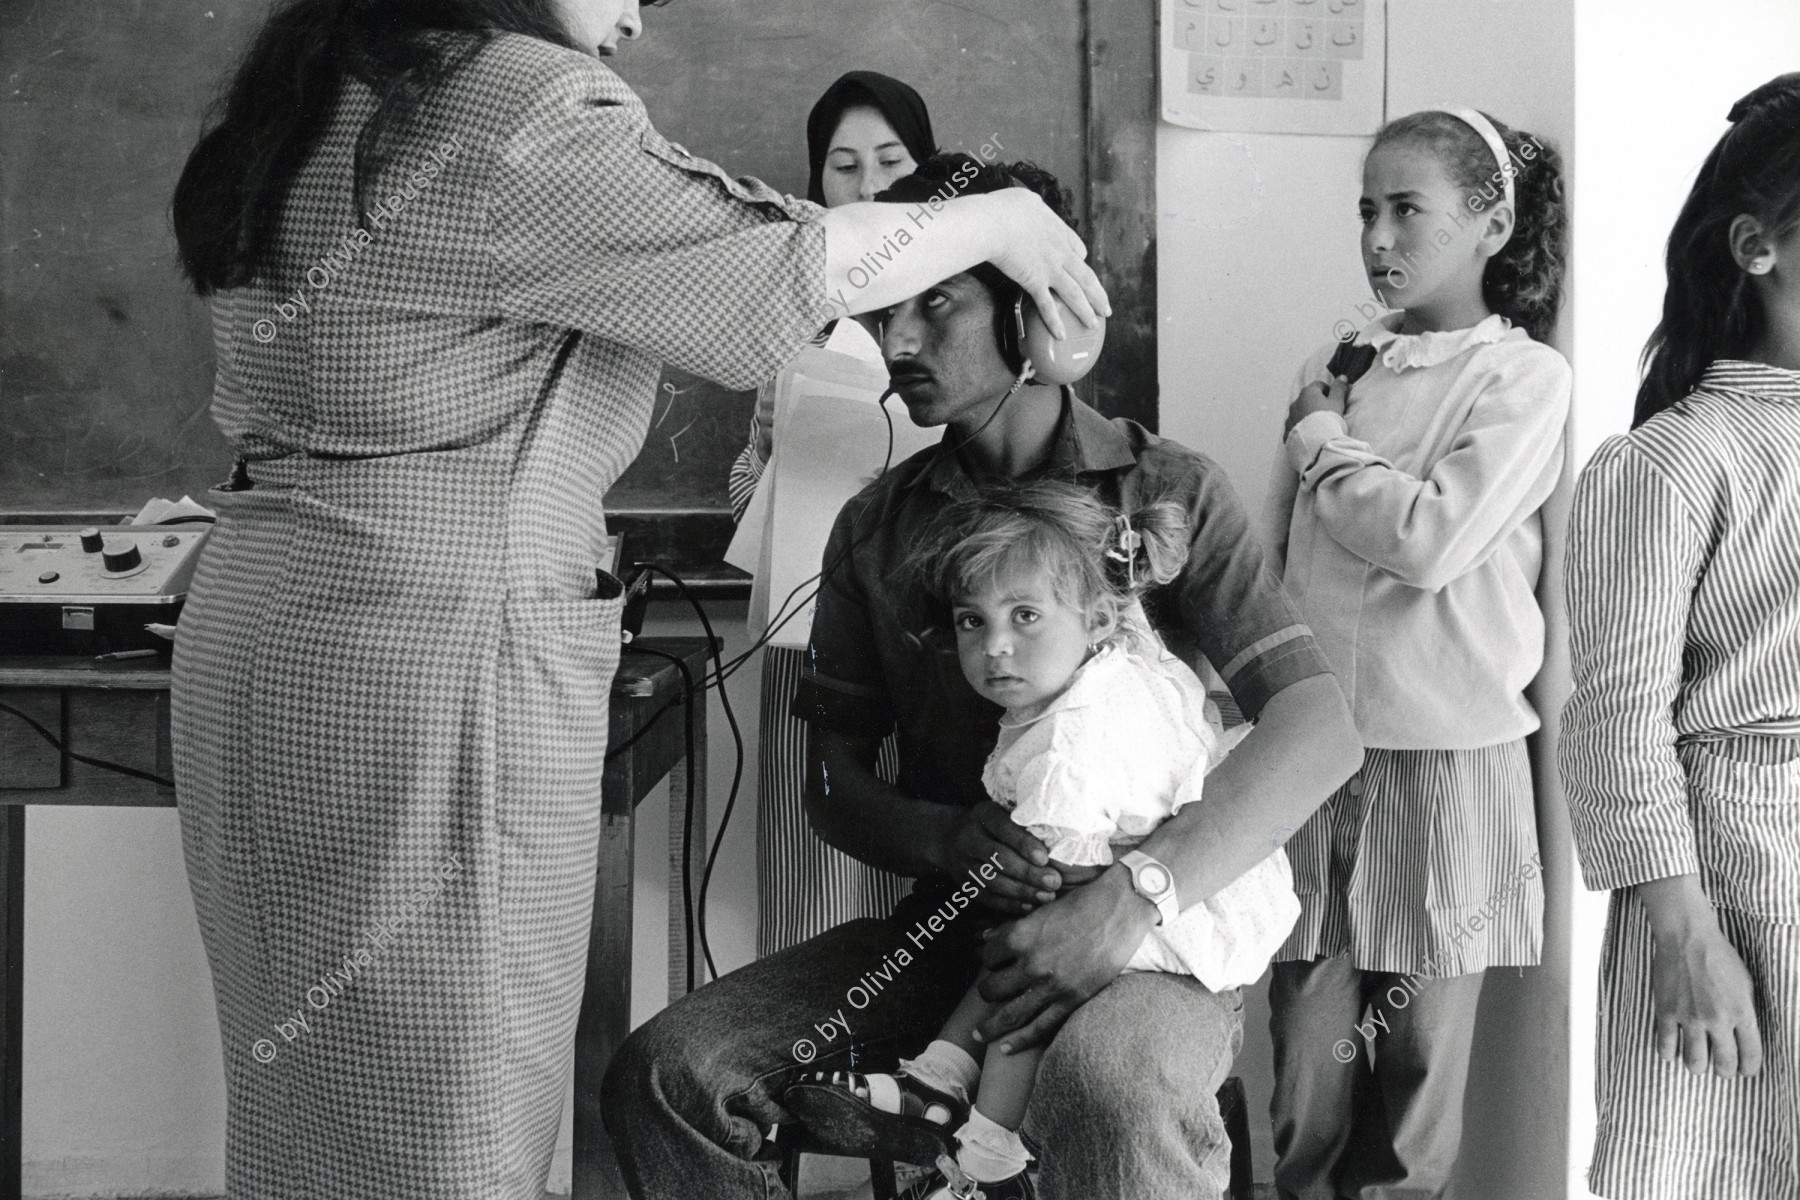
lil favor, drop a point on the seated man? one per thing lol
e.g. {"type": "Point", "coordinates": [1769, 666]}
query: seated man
{"type": "Point", "coordinates": [1125, 1104]}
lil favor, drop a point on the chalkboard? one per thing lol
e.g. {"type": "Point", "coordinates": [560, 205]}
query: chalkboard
{"type": "Point", "coordinates": [736, 88]}
{"type": "Point", "coordinates": [106, 359]}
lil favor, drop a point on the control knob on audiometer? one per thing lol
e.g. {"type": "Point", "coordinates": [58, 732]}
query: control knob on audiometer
{"type": "Point", "coordinates": [90, 539]}
{"type": "Point", "coordinates": [120, 555]}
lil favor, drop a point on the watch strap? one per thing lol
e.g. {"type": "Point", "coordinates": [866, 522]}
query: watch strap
{"type": "Point", "coordinates": [1166, 901]}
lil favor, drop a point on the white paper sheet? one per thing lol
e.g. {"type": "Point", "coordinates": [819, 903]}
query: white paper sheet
{"type": "Point", "coordinates": [831, 440]}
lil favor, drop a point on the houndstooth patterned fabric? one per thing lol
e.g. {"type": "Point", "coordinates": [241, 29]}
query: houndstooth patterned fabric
{"type": "Point", "coordinates": [391, 680]}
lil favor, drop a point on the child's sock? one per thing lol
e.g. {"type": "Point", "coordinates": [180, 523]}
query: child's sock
{"type": "Point", "coordinates": [946, 1067]}
{"type": "Point", "coordinates": [989, 1153]}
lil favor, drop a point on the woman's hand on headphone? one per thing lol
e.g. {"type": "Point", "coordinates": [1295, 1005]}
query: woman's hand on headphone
{"type": "Point", "coordinates": [1046, 258]}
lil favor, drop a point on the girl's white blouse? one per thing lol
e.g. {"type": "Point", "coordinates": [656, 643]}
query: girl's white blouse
{"type": "Point", "coordinates": [1093, 771]}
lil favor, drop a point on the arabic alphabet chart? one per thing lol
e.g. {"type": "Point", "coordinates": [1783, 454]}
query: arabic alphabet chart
{"type": "Point", "coordinates": [1274, 66]}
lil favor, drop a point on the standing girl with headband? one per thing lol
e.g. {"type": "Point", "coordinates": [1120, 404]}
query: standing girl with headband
{"type": "Point", "coordinates": [1412, 544]}
{"type": "Point", "coordinates": [1681, 740]}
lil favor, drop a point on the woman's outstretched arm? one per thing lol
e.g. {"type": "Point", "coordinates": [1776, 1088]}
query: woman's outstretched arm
{"type": "Point", "coordinates": [877, 255]}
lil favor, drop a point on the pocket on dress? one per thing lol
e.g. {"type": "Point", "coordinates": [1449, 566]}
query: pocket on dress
{"type": "Point", "coordinates": [557, 662]}
{"type": "Point", "coordinates": [1747, 832]}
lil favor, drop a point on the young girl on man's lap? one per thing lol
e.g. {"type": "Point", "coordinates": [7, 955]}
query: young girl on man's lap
{"type": "Point", "coordinates": [1105, 735]}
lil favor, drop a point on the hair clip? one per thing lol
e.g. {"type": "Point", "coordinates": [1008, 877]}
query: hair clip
{"type": "Point", "coordinates": [1130, 541]}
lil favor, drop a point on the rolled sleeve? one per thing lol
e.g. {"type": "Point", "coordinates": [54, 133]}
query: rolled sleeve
{"type": "Point", "coordinates": [843, 687]}
{"type": "Point", "coordinates": [1635, 554]}
{"type": "Point", "coordinates": [1230, 600]}
{"type": "Point", "coordinates": [1309, 437]}
{"type": "Point", "coordinates": [599, 223]}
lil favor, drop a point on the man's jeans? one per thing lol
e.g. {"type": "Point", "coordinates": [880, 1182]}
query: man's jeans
{"type": "Point", "coordinates": [1124, 1105]}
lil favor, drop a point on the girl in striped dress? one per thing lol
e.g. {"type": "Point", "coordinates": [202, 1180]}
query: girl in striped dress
{"type": "Point", "coordinates": [1681, 742]}
{"type": "Point", "coordinates": [1410, 508]}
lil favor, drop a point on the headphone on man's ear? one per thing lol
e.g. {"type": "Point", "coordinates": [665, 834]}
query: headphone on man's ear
{"type": "Point", "coordinates": [1025, 338]}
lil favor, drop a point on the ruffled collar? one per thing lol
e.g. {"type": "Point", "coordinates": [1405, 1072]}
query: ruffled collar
{"type": "Point", "coordinates": [1751, 378]}
{"type": "Point", "coordinates": [1400, 351]}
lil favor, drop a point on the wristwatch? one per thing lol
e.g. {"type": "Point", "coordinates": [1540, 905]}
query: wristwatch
{"type": "Point", "coordinates": [1154, 882]}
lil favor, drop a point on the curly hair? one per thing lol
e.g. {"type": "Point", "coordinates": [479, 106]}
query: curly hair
{"type": "Point", "coordinates": [1524, 281]}
{"type": "Point", "coordinates": [1062, 529]}
{"type": "Point", "coordinates": [1710, 311]}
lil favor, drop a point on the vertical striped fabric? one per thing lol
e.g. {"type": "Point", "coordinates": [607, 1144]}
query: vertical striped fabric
{"type": "Point", "coordinates": [803, 886]}
{"type": "Point", "coordinates": [1424, 862]}
{"type": "Point", "coordinates": [746, 472]}
{"type": "Point", "coordinates": [1665, 1134]}
{"type": "Point", "coordinates": [1684, 598]}
{"type": "Point", "coordinates": [1678, 752]}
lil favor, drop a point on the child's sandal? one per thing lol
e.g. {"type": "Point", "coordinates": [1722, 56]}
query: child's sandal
{"type": "Point", "coordinates": [953, 1184]}
{"type": "Point", "coordinates": [877, 1116]}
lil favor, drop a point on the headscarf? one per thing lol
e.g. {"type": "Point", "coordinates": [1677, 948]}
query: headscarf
{"type": "Point", "coordinates": [903, 108]}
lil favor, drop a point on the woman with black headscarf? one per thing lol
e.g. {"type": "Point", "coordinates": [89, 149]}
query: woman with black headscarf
{"type": "Point", "coordinates": [866, 131]}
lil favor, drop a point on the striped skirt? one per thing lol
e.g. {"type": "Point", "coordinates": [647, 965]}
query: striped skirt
{"type": "Point", "coordinates": [1425, 862]}
{"type": "Point", "coordinates": [1665, 1134]}
{"type": "Point", "coordinates": [803, 886]}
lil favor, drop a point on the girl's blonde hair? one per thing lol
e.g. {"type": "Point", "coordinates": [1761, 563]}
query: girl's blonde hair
{"type": "Point", "coordinates": [1093, 553]}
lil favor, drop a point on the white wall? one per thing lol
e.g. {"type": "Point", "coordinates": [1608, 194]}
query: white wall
{"type": "Point", "coordinates": [1257, 260]}
{"type": "Point", "coordinates": [1651, 99]}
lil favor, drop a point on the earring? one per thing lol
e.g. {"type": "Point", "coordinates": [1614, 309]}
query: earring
{"type": "Point", "coordinates": [1760, 266]}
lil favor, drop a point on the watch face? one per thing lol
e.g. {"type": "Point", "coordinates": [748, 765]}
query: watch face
{"type": "Point", "coordinates": [1154, 879]}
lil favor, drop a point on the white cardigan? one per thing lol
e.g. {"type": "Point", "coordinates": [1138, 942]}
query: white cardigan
{"type": "Point", "coordinates": [1414, 540]}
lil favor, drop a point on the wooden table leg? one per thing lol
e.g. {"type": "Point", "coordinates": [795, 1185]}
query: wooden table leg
{"type": "Point", "coordinates": [12, 994]}
{"type": "Point", "coordinates": [679, 813]}
{"type": "Point", "coordinates": [605, 1013]}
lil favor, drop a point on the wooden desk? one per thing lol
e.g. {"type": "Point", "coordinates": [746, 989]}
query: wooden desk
{"type": "Point", "coordinates": [120, 713]}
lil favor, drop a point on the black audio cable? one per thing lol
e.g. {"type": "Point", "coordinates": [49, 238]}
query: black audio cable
{"type": "Point", "coordinates": [101, 763]}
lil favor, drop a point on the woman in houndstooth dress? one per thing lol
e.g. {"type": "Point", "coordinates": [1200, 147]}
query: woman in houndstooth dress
{"type": "Point", "coordinates": [447, 253]}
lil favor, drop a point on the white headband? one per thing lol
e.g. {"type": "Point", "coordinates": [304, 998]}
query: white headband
{"type": "Point", "coordinates": [1496, 144]}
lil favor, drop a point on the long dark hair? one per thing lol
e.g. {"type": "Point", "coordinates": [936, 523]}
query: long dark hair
{"type": "Point", "coordinates": [1523, 282]}
{"type": "Point", "coordinates": [1710, 311]}
{"type": "Point", "coordinates": [228, 202]}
